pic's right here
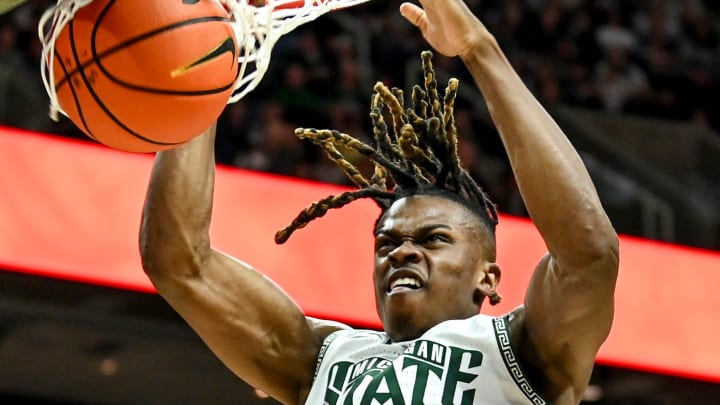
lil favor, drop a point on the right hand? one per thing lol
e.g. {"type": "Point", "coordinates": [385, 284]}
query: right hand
{"type": "Point", "coordinates": [447, 25]}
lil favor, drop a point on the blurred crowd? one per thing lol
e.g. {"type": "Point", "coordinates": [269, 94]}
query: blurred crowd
{"type": "Point", "coordinates": [654, 58]}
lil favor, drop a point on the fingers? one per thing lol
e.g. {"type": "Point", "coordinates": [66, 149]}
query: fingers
{"type": "Point", "coordinates": [414, 14]}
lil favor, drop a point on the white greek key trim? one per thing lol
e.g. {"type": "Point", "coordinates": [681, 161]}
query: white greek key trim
{"type": "Point", "coordinates": [502, 335]}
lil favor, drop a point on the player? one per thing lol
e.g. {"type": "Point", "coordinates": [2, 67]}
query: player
{"type": "Point", "coordinates": [434, 256]}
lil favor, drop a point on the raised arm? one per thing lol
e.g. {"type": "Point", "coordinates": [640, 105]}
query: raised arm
{"type": "Point", "coordinates": [245, 319]}
{"type": "Point", "coordinates": [569, 304]}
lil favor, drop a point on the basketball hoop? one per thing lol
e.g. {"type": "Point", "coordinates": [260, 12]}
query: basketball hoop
{"type": "Point", "coordinates": [257, 30]}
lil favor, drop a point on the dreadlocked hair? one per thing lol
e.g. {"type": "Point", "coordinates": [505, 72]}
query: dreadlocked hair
{"type": "Point", "coordinates": [415, 153]}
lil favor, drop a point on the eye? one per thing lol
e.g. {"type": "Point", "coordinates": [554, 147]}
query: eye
{"type": "Point", "coordinates": [436, 238]}
{"type": "Point", "coordinates": [383, 244]}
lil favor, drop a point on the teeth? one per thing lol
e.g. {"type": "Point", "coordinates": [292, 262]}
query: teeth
{"type": "Point", "coordinates": [405, 282]}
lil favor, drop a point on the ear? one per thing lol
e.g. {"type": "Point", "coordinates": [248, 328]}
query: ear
{"type": "Point", "coordinates": [487, 282]}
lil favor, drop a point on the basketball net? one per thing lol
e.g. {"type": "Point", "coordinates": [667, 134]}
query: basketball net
{"type": "Point", "coordinates": [257, 30]}
{"type": "Point", "coordinates": [51, 24]}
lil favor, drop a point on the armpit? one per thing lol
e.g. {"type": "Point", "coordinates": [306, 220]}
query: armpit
{"type": "Point", "coordinates": [323, 328]}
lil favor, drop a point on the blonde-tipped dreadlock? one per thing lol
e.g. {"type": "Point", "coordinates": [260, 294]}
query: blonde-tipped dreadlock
{"type": "Point", "coordinates": [417, 155]}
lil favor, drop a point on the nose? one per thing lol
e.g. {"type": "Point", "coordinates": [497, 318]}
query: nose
{"type": "Point", "coordinates": [405, 252]}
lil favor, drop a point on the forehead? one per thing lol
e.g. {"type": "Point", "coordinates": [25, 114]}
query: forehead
{"type": "Point", "coordinates": [422, 210]}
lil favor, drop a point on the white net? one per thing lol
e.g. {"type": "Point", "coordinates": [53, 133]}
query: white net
{"type": "Point", "coordinates": [257, 30]}
{"type": "Point", "coordinates": [51, 24]}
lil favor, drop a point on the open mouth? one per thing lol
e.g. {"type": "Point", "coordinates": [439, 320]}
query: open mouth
{"type": "Point", "coordinates": [404, 284]}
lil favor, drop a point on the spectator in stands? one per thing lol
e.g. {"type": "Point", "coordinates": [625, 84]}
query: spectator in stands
{"type": "Point", "coordinates": [23, 101]}
{"type": "Point", "coordinates": [654, 58]}
{"type": "Point", "coordinates": [275, 148]}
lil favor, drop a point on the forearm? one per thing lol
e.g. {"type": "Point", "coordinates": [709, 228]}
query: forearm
{"type": "Point", "coordinates": [551, 177]}
{"type": "Point", "coordinates": [176, 217]}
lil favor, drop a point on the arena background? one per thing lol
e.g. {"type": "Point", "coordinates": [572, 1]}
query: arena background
{"type": "Point", "coordinates": [633, 83]}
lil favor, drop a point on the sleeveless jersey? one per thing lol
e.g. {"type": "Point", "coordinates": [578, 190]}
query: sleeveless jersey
{"type": "Point", "coordinates": [458, 362]}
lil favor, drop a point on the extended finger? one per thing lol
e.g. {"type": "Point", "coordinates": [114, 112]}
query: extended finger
{"type": "Point", "coordinates": [414, 14]}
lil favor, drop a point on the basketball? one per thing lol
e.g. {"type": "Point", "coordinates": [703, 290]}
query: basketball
{"type": "Point", "coordinates": [144, 76]}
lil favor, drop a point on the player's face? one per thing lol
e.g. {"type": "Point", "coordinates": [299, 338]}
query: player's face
{"type": "Point", "coordinates": [430, 265]}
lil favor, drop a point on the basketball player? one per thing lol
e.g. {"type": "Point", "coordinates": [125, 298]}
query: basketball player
{"type": "Point", "coordinates": [434, 256]}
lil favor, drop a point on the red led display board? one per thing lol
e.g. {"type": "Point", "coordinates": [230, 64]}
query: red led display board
{"type": "Point", "coordinates": [71, 210]}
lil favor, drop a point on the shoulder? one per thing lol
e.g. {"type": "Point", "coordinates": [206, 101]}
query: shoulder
{"type": "Point", "coordinates": [514, 321]}
{"type": "Point", "coordinates": [528, 359]}
{"type": "Point", "coordinates": [332, 331]}
{"type": "Point", "coordinates": [324, 328]}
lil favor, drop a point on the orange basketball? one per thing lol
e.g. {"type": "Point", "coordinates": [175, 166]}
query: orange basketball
{"type": "Point", "coordinates": [144, 76]}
